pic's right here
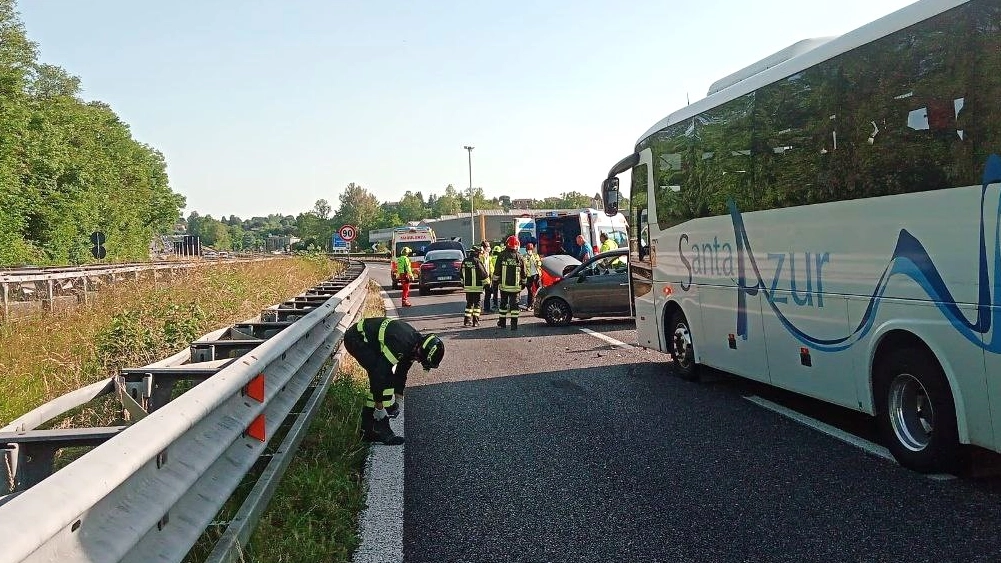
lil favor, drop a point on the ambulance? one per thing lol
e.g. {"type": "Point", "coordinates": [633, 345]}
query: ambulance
{"type": "Point", "coordinates": [417, 240]}
{"type": "Point", "coordinates": [555, 232]}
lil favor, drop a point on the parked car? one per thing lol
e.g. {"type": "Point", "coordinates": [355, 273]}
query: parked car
{"type": "Point", "coordinates": [597, 288]}
{"type": "Point", "coordinates": [555, 267]}
{"type": "Point", "coordinates": [446, 245]}
{"type": "Point", "coordinates": [441, 268]}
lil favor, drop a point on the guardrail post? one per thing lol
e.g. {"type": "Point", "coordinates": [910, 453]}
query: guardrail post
{"type": "Point", "coordinates": [86, 298]}
{"type": "Point", "coordinates": [50, 287]}
{"type": "Point", "coordinates": [6, 304]}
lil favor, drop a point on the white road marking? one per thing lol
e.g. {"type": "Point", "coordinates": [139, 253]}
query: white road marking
{"type": "Point", "coordinates": [381, 523]}
{"type": "Point", "coordinates": [388, 304]}
{"type": "Point", "coordinates": [606, 338]}
{"type": "Point", "coordinates": [874, 449]}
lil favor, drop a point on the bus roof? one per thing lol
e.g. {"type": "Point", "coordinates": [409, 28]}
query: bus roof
{"type": "Point", "coordinates": [802, 56]}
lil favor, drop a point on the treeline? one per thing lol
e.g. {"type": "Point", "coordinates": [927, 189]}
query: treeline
{"type": "Point", "coordinates": [358, 207]}
{"type": "Point", "coordinates": [69, 167]}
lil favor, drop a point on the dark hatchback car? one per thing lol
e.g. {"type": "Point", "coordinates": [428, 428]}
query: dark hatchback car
{"type": "Point", "coordinates": [441, 268]}
{"type": "Point", "coordinates": [597, 288]}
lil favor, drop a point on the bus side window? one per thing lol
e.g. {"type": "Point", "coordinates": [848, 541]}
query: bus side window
{"type": "Point", "coordinates": [639, 223]}
{"type": "Point", "coordinates": [644, 235]}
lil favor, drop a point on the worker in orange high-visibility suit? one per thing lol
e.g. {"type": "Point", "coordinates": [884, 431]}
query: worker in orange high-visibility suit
{"type": "Point", "coordinates": [405, 272]}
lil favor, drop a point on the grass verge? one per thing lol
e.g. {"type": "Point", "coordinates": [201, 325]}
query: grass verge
{"type": "Point", "coordinates": [135, 322]}
{"type": "Point", "coordinates": [313, 515]}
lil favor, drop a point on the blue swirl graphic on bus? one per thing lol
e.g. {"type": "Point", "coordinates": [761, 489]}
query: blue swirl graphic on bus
{"type": "Point", "coordinates": [909, 259]}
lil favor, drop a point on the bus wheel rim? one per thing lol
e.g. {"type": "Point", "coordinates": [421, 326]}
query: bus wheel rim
{"type": "Point", "coordinates": [911, 413]}
{"type": "Point", "coordinates": [682, 345]}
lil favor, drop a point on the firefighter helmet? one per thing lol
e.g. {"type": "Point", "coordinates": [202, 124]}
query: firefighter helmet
{"type": "Point", "coordinates": [513, 242]}
{"type": "Point", "coordinates": [431, 351]}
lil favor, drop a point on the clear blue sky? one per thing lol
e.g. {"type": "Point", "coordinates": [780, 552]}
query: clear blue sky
{"type": "Point", "coordinates": [267, 106]}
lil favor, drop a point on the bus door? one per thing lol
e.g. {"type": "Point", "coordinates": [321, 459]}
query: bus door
{"type": "Point", "coordinates": [642, 296]}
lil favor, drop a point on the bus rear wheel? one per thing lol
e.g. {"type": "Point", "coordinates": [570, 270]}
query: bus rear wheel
{"type": "Point", "coordinates": [916, 414]}
{"type": "Point", "coordinates": [682, 347]}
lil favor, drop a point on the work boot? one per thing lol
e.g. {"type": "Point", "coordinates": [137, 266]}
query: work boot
{"type": "Point", "coordinates": [367, 422]}
{"type": "Point", "coordinates": [514, 324]}
{"type": "Point", "coordinates": [502, 322]}
{"type": "Point", "coordinates": [465, 321]}
{"type": "Point", "coordinates": [476, 321]}
{"type": "Point", "coordinates": [384, 432]}
{"type": "Point", "coordinates": [393, 410]}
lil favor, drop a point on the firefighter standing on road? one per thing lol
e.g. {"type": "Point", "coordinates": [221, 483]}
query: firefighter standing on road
{"type": "Point", "coordinates": [405, 272]}
{"type": "Point", "coordinates": [509, 275]}
{"type": "Point", "coordinates": [386, 348]}
{"type": "Point", "coordinates": [493, 283]}
{"type": "Point", "coordinates": [474, 276]}
{"type": "Point", "coordinates": [533, 266]}
{"type": "Point", "coordinates": [484, 258]}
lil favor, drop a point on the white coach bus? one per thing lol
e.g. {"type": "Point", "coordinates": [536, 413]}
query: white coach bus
{"type": "Point", "coordinates": [827, 221]}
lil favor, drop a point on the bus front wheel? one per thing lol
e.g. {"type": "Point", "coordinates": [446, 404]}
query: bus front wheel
{"type": "Point", "coordinates": [916, 414]}
{"type": "Point", "coordinates": [682, 348]}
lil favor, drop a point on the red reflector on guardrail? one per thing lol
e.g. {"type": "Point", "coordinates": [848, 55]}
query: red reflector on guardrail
{"type": "Point", "coordinates": [257, 430]}
{"type": "Point", "coordinates": [255, 389]}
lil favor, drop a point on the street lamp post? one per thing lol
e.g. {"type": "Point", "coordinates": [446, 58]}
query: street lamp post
{"type": "Point", "coordinates": [472, 220]}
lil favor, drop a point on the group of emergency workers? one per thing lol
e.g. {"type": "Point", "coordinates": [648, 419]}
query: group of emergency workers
{"type": "Point", "coordinates": [499, 274]}
{"type": "Point", "coordinates": [387, 348]}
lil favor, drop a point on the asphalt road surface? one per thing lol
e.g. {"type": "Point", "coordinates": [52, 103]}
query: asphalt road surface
{"type": "Point", "coordinates": [549, 444]}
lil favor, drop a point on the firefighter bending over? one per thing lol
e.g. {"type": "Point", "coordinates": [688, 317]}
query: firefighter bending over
{"type": "Point", "coordinates": [386, 348]}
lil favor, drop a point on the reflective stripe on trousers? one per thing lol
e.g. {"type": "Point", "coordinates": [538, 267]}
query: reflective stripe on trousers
{"type": "Point", "coordinates": [388, 398]}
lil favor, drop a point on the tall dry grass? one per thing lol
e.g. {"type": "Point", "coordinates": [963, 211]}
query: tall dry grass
{"type": "Point", "coordinates": [135, 322]}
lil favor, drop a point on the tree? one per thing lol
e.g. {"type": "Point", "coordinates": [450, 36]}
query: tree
{"type": "Point", "coordinates": [360, 208]}
{"type": "Point", "coordinates": [50, 81]}
{"type": "Point", "coordinates": [322, 209]}
{"type": "Point", "coordinates": [411, 207]}
{"type": "Point", "coordinates": [447, 204]}
{"type": "Point", "coordinates": [68, 168]}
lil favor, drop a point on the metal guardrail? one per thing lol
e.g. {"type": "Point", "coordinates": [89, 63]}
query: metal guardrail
{"type": "Point", "coordinates": [149, 490]}
{"type": "Point", "coordinates": [33, 284]}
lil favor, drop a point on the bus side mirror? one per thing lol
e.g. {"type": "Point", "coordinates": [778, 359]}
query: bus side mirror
{"type": "Point", "coordinates": [610, 195]}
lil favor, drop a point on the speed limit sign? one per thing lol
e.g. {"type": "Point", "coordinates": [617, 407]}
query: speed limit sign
{"type": "Point", "coordinates": [348, 232]}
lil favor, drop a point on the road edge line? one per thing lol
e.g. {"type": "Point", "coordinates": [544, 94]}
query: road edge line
{"type": "Point", "coordinates": [606, 338]}
{"type": "Point", "coordinates": [823, 427]}
{"type": "Point", "coordinates": [381, 522]}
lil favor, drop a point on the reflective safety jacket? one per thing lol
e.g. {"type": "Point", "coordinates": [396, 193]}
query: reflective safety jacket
{"type": "Point", "coordinates": [487, 260]}
{"type": "Point", "coordinates": [493, 258]}
{"type": "Point", "coordinates": [385, 343]}
{"type": "Point", "coordinates": [403, 267]}
{"type": "Point", "coordinates": [396, 340]}
{"type": "Point", "coordinates": [474, 275]}
{"type": "Point", "coordinates": [509, 271]}
{"type": "Point", "coordinates": [533, 262]}
{"type": "Point", "coordinates": [609, 244]}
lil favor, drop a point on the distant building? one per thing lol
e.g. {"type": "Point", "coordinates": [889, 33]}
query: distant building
{"type": "Point", "coordinates": [522, 203]}
{"type": "Point", "coordinates": [279, 242]}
